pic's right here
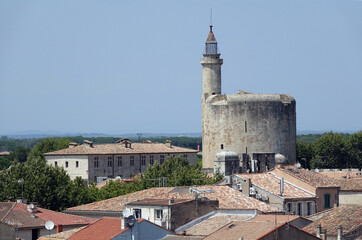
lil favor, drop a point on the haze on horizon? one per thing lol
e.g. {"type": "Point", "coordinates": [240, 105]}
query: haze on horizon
{"type": "Point", "coordinates": [133, 66]}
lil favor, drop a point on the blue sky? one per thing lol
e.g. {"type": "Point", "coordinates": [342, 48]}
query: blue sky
{"type": "Point", "coordinates": [133, 66]}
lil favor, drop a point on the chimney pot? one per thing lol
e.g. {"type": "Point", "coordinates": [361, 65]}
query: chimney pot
{"type": "Point", "coordinates": [339, 232]}
{"type": "Point", "coordinates": [319, 231]}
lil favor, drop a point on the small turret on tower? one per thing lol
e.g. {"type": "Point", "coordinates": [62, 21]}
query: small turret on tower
{"type": "Point", "coordinates": [211, 44]}
{"type": "Point", "coordinates": [211, 67]}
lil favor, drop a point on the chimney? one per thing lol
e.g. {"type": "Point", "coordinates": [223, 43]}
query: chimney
{"type": "Point", "coordinates": [324, 234]}
{"type": "Point", "coordinates": [245, 186]}
{"type": "Point", "coordinates": [89, 143]}
{"type": "Point", "coordinates": [21, 200]}
{"type": "Point", "coordinates": [168, 143]}
{"type": "Point", "coordinates": [125, 142]}
{"type": "Point", "coordinates": [319, 231]}
{"type": "Point", "coordinates": [123, 223]}
{"type": "Point", "coordinates": [281, 186]}
{"type": "Point", "coordinates": [59, 228]}
{"type": "Point", "coordinates": [72, 144]}
{"type": "Point", "coordinates": [32, 207]}
{"type": "Point", "coordinates": [339, 232]}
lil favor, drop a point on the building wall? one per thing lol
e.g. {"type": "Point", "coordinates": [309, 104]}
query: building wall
{"type": "Point", "coordinates": [88, 170]}
{"type": "Point", "coordinates": [352, 197]}
{"type": "Point", "coordinates": [249, 123]}
{"type": "Point", "coordinates": [72, 170]}
{"type": "Point", "coordinates": [304, 206]}
{"type": "Point", "coordinates": [188, 211]}
{"type": "Point", "coordinates": [149, 213]}
{"type": "Point", "coordinates": [320, 192]}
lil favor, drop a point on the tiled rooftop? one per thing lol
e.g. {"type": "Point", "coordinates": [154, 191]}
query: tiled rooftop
{"type": "Point", "coordinates": [312, 178]}
{"type": "Point", "coordinates": [62, 235]}
{"type": "Point", "coordinates": [274, 218]}
{"type": "Point", "coordinates": [103, 229]}
{"type": "Point", "coordinates": [247, 230]}
{"type": "Point", "coordinates": [342, 174]}
{"type": "Point", "coordinates": [228, 199]}
{"type": "Point", "coordinates": [118, 148]}
{"type": "Point", "coordinates": [16, 213]}
{"type": "Point", "coordinates": [348, 216]}
{"type": "Point", "coordinates": [180, 237]}
{"type": "Point", "coordinates": [211, 225]}
{"type": "Point", "coordinates": [350, 184]}
{"type": "Point", "coordinates": [271, 183]}
{"type": "Point", "coordinates": [158, 202]}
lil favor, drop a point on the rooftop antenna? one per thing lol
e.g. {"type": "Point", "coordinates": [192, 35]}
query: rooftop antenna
{"type": "Point", "coordinates": [211, 17]}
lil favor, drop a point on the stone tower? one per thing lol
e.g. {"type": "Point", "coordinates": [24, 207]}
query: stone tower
{"type": "Point", "coordinates": [254, 126]}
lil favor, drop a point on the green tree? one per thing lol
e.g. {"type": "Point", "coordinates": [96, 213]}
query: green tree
{"type": "Point", "coordinates": [330, 151]}
{"type": "Point", "coordinates": [4, 163]}
{"type": "Point", "coordinates": [37, 182]}
{"type": "Point", "coordinates": [48, 145]}
{"type": "Point", "coordinates": [354, 148]}
{"type": "Point", "coordinates": [178, 172]}
{"type": "Point", "coordinates": [20, 154]}
{"type": "Point", "coordinates": [305, 154]}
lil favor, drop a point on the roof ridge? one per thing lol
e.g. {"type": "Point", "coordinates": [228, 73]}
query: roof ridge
{"type": "Point", "coordinates": [9, 211]}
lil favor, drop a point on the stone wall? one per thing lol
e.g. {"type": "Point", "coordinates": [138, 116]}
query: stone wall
{"type": "Point", "coordinates": [249, 123]}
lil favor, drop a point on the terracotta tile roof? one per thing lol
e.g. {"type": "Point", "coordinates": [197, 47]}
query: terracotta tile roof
{"type": "Point", "coordinates": [212, 224]}
{"type": "Point", "coordinates": [117, 148]}
{"type": "Point", "coordinates": [61, 235]}
{"type": "Point", "coordinates": [348, 216]}
{"type": "Point", "coordinates": [123, 180]}
{"type": "Point", "coordinates": [312, 178]}
{"type": "Point", "coordinates": [4, 153]}
{"type": "Point", "coordinates": [16, 213]}
{"type": "Point", "coordinates": [342, 174]}
{"type": "Point", "coordinates": [103, 229]}
{"type": "Point", "coordinates": [350, 184]}
{"type": "Point", "coordinates": [247, 230]}
{"type": "Point", "coordinates": [228, 197]}
{"type": "Point", "coordinates": [273, 218]}
{"type": "Point", "coordinates": [180, 237]}
{"type": "Point", "coordinates": [271, 183]}
{"type": "Point", "coordinates": [158, 202]}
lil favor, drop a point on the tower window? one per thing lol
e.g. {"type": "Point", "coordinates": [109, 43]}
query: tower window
{"type": "Point", "coordinates": [66, 164]}
{"type": "Point", "coordinates": [76, 164]}
{"type": "Point", "coordinates": [56, 164]}
{"type": "Point", "coordinates": [246, 126]}
{"type": "Point", "coordinates": [222, 146]}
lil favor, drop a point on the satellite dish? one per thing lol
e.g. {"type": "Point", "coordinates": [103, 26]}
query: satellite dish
{"type": "Point", "coordinates": [131, 220]}
{"type": "Point", "coordinates": [125, 213]}
{"type": "Point", "coordinates": [49, 225]}
{"type": "Point", "coordinates": [298, 165]}
{"type": "Point", "coordinates": [316, 170]}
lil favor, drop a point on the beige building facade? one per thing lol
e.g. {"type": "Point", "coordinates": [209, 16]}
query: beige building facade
{"type": "Point", "coordinates": [97, 162]}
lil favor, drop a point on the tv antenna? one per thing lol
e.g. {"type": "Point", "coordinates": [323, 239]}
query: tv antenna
{"type": "Point", "coordinates": [211, 17]}
{"type": "Point", "coordinates": [49, 225]}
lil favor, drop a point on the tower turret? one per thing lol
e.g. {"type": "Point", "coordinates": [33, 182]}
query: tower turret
{"type": "Point", "coordinates": [211, 67]}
